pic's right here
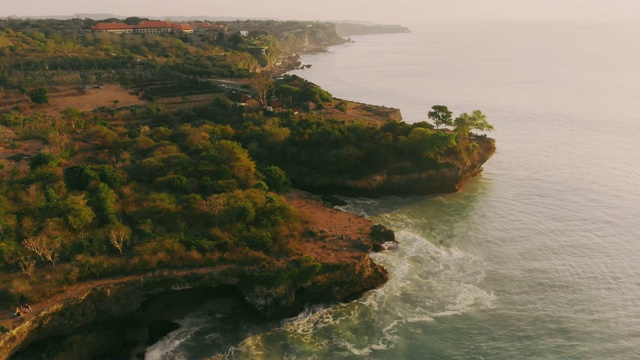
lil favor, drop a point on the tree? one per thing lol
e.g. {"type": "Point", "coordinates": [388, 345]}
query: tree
{"type": "Point", "coordinates": [79, 177]}
{"type": "Point", "coordinates": [79, 215]}
{"type": "Point", "coordinates": [237, 160]}
{"type": "Point", "coordinates": [425, 143]}
{"type": "Point", "coordinates": [43, 159]}
{"type": "Point", "coordinates": [236, 39]}
{"type": "Point", "coordinates": [220, 38]}
{"type": "Point", "coordinates": [440, 115]}
{"type": "Point", "coordinates": [476, 121]}
{"type": "Point", "coordinates": [27, 265]}
{"type": "Point", "coordinates": [262, 84]}
{"type": "Point", "coordinates": [42, 246]}
{"type": "Point", "coordinates": [343, 106]}
{"type": "Point", "coordinates": [276, 179]}
{"type": "Point", "coordinates": [104, 200]}
{"type": "Point", "coordinates": [118, 235]}
{"type": "Point", "coordinates": [39, 96]}
{"type": "Point", "coordinates": [71, 114]}
{"type": "Point", "coordinates": [133, 20]}
{"type": "Point", "coordinates": [179, 184]}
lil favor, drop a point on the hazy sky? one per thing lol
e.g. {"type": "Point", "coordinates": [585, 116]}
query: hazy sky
{"type": "Point", "coordinates": [381, 11]}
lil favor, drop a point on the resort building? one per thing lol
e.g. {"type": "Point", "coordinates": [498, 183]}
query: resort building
{"type": "Point", "coordinates": [154, 27]}
{"type": "Point", "coordinates": [117, 28]}
{"type": "Point", "coordinates": [145, 27]}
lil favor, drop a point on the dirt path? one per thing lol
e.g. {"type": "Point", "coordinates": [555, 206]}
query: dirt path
{"type": "Point", "coordinates": [78, 290]}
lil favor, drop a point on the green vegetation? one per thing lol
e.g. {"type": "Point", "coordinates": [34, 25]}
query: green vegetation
{"type": "Point", "coordinates": [186, 196]}
{"type": "Point", "coordinates": [296, 91]}
{"type": "Point", "coordinates": [476, 121]}
{"type": "Point", "coordinates": [55, 52]}
{"type": "Point", "coordinates": [440, 115]}
{"type": "Point", "coordinates": [39, 96]}
{"type": "Point", "coordinates": [133, 189]}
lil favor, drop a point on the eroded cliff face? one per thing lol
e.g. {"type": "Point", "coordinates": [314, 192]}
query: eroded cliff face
{"type": "Point", "coordinates": [456, 170]}
{"type": "Point", "coordinates": [93, 321]}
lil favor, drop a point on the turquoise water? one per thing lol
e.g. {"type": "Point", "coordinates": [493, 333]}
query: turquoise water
{"type": "Point", "coordinates": [539, 257]}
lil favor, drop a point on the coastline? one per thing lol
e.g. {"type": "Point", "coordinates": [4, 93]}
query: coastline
{"type": "Point", "coordinates": [336, 267]}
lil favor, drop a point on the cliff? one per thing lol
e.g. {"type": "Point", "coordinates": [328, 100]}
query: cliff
{"type": "Point", "coordinates": [360, 29]}
{"type": "Point", "coordinates": [89, 319]}
{"type": "Point", "coordinates": [454, 170]}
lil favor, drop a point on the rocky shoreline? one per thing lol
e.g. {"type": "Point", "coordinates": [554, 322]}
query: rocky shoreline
{"type": "Point", "coordinates": [337, 268]}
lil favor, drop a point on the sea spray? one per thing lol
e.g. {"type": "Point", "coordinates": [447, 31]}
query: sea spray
{"type": "Point", "coordinates": [427, 282]}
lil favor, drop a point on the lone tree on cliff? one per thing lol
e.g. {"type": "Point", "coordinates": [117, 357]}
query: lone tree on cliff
{"type": "Point", "coordinates": [440, 115]}
{"type": "Point", "coordinates": [476, 121]}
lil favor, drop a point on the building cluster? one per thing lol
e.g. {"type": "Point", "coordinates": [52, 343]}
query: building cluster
{"type": "Point", "coordinates": [155, 27]}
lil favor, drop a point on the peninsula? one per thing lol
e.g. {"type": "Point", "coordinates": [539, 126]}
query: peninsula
{"type": "Point", "coordinates": [143, 161]}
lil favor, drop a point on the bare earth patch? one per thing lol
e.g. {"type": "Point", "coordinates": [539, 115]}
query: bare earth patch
{"type": "Point", "coordinates": [336, 235]}
{"type": "Point", "coordinates": [26, 147]}
{"type": "Point", "coordinates": [90, 99]}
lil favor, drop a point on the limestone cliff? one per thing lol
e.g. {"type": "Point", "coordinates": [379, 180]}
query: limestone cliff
{"type": "Point", "coordinates": [90, 318]}
{"type": "Point", "coordinates": [455, 170]}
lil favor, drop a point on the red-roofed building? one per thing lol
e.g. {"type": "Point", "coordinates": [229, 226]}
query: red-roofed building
{"type": "Point", "coordinates": [155, 27]}
{"type": "Point", "coordinates": [117, 28]}
{"type": "Point", "coordinates": [145, 27]}
{"type": "Point", "coordinates": [185, 28]}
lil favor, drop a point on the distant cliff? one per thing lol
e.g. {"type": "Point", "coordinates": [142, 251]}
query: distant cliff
{"type": "Point", "coordinates": [359, 29]}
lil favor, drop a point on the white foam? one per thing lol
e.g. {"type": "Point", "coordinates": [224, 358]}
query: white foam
{"type": "Point", "coordinates": [426, 281]}
{"type": "Point", "coordinates": [167, 347]}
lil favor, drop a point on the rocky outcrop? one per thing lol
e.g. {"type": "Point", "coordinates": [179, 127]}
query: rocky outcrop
{"type": "Point", "coordinates": [380, 235]}
{"type": "Point", "coordinates": [454, 172]}
{"type": "Point", "coordinates": [113, 313]}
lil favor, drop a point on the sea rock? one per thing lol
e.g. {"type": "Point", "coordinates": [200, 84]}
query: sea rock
{"type": "Point", "coordinates": [381, 235]}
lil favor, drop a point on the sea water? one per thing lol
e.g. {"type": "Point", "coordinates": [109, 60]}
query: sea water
{"type": "Point", "coordinates": [537, 258]}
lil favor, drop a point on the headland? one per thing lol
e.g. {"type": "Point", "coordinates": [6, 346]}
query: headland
{"type": "Point", "coordinates": [142, 169]}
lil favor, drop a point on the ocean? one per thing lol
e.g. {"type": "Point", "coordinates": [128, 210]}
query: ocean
{"type": "Point", "coordinates": [536, 258]}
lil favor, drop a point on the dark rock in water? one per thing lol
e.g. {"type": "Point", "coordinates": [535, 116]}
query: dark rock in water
{"type": "Point", "coordinates": [160, 328]}
{"type": "Point", "coordinates": [380, 235]}
{"type": "Point", "coordinates": [333, 200]}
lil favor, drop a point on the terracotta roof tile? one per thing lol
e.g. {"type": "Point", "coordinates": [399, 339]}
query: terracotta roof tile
{"type": "Point", "coordinates": [111, 26]}
{"type": "Point", "coordinates": [155, 24]}
{"type": "Point", "coordinates": [183, 27]}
